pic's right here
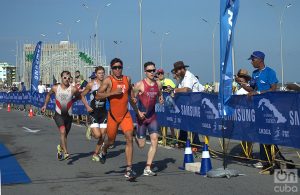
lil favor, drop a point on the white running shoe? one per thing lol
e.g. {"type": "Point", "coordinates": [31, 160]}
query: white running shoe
{"type": "Point", "coordinates": [148, 172]}
{"type": "Point", "coordinates": [258, 165]}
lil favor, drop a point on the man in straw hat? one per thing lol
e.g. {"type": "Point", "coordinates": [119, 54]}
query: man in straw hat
{"type": "Point", "coordinates": [187, 82]}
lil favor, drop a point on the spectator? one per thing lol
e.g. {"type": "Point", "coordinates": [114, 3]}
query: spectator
{"type": "Point", "coordinates": [48, 88]}
{"type": "Point", "coordinates": [14, 88]}
{"type": "Point", "coordinates": [93, 76]}
{"type": "Point", "coordinates": [167, 86]}
{"type": "Point", "coordinates": [77, 74]}
{"type": "Point", "coordinates": [72, 83]}
{"type": "Point", "coordinates": [187, 83]}
{"type": "Point", "coordinates": [243, 78]}
{"type": "Point", "coordinates": [175, 77]}
{"type": "Point", "coordinates": [23, 88]}
{"type": "Point", "coordinates": [41, 87]}
{"type": "Point", "coordinates": [263, 80]}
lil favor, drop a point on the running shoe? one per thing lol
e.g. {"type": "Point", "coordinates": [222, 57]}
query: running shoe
{"type": "Point", "coordinates": [148, 172]}
{"type": "Point", "coordinates": [160, 142]}
{"type": "Point", "coordinates": [130, 174]}
{"type": "Point", "coordinates": [258, 165]}
{"type": "Point", "coordinates": [102, 157]}
{"type": "Point", "coordinates": [66, 156]}
{"type": "Point", "coordinates": [88, 133]}
{"type": "Point", "coordinates": [96, 158]}
{"type": "Point", "coordinates": [59, 152]}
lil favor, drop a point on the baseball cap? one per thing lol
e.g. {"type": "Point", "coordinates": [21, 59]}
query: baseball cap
{"type": "Point", "coordinates": [257, 54]}
{"type": "Point", "coordinates": [160, 71]}
{"type": "Point", "coordinates": [93, 75]}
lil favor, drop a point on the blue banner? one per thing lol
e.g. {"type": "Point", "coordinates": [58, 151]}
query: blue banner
{"type": "Point", "coordinates": [271, 118]}
{"type": "Point", "coordinates": [35, 73]}
{"type": "Point", "coordinates": [228, 15]}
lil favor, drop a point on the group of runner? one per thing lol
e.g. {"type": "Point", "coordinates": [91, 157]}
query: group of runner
{"type": "Point", "coordinates": [118, 91]}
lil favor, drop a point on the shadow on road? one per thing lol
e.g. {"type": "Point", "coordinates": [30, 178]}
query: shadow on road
{"type": "Point", "coordinates": [77, 156]}
{"type": "Point", "coordinates": [158, 166]}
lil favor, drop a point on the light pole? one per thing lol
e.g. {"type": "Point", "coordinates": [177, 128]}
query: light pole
{"type": "Point", "coordinates": [96, 35]}
{"type": "Point", "coordinates": [213, 48]}
{"type": "Point", "coordinates": [281, 42]}
{"type": "Point", "coordinates": [141, 38]}
{"type": "Point", "coordinates": [161, 47]}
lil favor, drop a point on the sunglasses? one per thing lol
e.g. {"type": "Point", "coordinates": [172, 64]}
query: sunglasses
{"type": "Point", "coordinates": [151, 70]}
{"type": "Point", "coordinates": [254, 59]}
{"type": "Point", "coordinates": [160, 73]}
{"type": "Point", "coordinates": [117, 67]}
{"type": "Point", "coordinates": [67, 78]}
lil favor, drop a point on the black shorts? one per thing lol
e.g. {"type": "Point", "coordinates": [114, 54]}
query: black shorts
{"type": "Point", "coordinates": [63, 120]}
{"type": "Point", "coordinates": [98, 119]}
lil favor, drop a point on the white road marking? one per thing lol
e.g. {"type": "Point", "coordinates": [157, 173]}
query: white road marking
{"type": "Point", "coordinates": [30, 130]}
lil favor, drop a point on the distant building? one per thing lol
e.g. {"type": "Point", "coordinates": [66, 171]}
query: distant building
{"type": "Point", "coordinates": [3, 70]}
{"type": "Point", "coordinates": [7, 73]}
{"type": "Point", "coordinates": [55, 58]}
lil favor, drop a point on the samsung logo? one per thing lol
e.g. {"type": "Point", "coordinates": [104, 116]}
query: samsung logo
{"type": "Point", "coordinates": [193, 111]}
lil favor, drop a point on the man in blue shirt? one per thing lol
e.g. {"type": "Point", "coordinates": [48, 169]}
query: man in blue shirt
{"type": "Point", "coordinates": [263, 80]}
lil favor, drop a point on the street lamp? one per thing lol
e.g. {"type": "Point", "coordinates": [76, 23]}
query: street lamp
{"type": "Point", "coordinates": [213, 48]}
{"type": "Point", "coordinates": [281, 41]}
{"type": "Point", "coordinates": [96, 35]}
{"type": "Point", "coordinates": [161, 47]}
{"type": "Point", "coordinates": [141, 39]}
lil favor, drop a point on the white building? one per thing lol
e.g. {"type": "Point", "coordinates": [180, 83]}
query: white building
{"type": "Point", "coordinates": [55, 58]}
{"type": "Point", "coordinates": [3, 72]}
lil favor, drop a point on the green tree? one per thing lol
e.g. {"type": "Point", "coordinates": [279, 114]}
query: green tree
{"type": "Point", "coordinates": [84, 57]}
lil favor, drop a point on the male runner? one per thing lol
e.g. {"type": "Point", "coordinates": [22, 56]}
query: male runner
{"type": "Point", "coordinates": [117, 88]}
{"type": "Point", "coordinates": [63, 110]}
{"type": "Point", "coordinates": [147, 91]}
{"type": "Point", "coordinates": [97, 111]}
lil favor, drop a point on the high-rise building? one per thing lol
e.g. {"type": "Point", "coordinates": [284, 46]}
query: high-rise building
{"type": "Point", "coordinates": [7, 73]}
{"type": "Point", "coordinates": [56, 58]}
{"type": "Point", "coordinates": [3, 70]}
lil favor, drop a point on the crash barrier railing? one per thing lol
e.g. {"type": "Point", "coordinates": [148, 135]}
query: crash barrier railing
{"type": "Point", "coordinates": [270, 118]}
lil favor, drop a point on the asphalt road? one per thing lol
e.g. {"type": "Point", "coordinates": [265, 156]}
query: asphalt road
{"type": "Point", "coordinates": [36, 153]}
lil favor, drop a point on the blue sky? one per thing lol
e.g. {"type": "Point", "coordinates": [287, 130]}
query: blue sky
{"type": "Point", "coordinates": [190, 38]}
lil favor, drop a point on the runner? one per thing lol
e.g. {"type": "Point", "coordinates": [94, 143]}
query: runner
{"type": "Point", "coordinates": [116, 88]}
{"type": "Point", "coordinates": [147, 91]}
{"type": "Point", "coordinates": [63, 110]}
{"type": "Point", "coordinates": [97, 111]}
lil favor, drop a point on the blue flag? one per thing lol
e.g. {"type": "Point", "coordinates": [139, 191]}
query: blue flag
{"type": "Point", "coordinates": [228, 16]}
{"type": "Point", "coordinates": [35, 72]}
